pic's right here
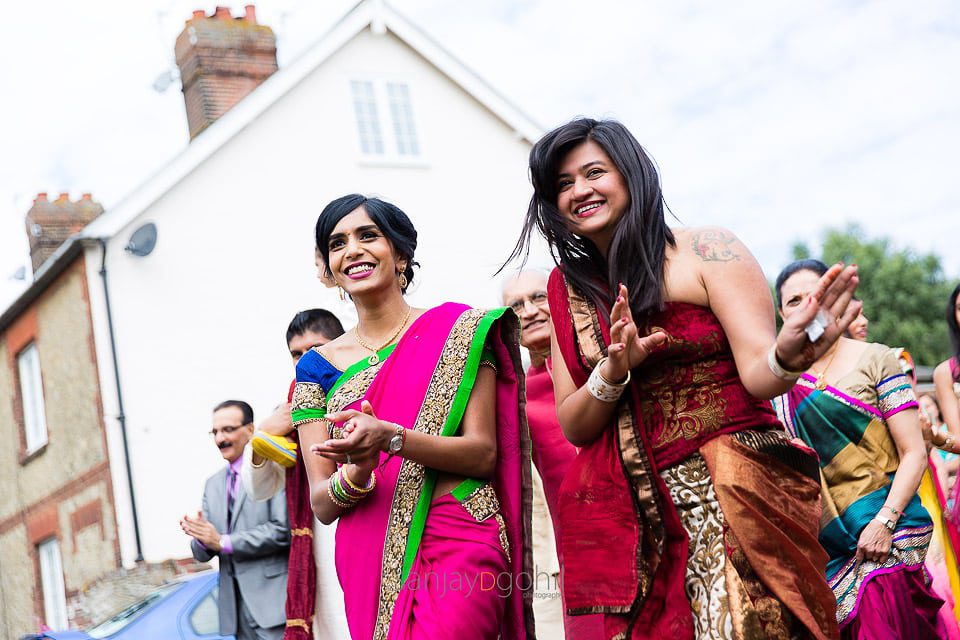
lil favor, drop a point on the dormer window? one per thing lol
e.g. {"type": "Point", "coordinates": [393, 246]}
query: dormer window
{"type": "Point", "coordinates": [385, 122]}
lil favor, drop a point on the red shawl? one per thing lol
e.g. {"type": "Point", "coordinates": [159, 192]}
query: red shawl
{"type": "Point", "coordinates": [624, 547]}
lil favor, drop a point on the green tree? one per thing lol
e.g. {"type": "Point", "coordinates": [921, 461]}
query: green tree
{"type": "Point", "coordinates": [904, 294]}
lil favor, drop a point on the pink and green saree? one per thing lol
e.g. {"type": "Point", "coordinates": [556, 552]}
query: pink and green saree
{"type": "Point", "coordinates": [413, 565]}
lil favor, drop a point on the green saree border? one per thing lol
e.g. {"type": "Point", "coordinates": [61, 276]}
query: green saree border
{"type": "Point", "coordinates": [440, 414]}
{"type": "Point", "coordinates": [357, 367]}
{"type": "Point", "coordinates": [450, 427]}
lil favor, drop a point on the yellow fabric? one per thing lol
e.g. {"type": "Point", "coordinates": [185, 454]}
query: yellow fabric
{"type": "Point", "coordinates": [864, 468]}
{"type": "Point", "coordinates": [266, 446]}
{"type": "Point", "coordinates": [941, 541]}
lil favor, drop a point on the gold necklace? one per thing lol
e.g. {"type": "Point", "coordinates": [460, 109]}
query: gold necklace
{"type": "Point", "coordinates": [821, 383]}
{"type": "Point", "coordinates": [374, 359]}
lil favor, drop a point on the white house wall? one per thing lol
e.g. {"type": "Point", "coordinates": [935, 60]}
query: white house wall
{"type": "Point", "coordinates": [203, 317]}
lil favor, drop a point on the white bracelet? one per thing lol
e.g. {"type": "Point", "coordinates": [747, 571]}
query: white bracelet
{"type": "Point", "coordinates": [601, 388]}
{"type": "Point", "coordinates": [775, 367]}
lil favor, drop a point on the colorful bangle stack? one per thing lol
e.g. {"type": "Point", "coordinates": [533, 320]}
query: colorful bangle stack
{"type": "Point", "coordinates": [344, 493]}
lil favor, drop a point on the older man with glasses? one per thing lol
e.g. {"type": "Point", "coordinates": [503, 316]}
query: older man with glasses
{"type": "Point", "coordinates": [526, 294]}
{"type": "Point", "coordinates": [251, 539]}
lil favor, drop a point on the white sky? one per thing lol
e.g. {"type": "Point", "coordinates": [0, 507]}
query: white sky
{"type": "Point", "coordinates": [777, 120]}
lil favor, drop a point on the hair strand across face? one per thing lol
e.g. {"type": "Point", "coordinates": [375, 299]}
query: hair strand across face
{"type": "Point", "coordinates": [637, 253]}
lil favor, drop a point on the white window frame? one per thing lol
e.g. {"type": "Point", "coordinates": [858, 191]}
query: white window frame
{"type": "Point", "coordinates": [31, 398]}
{"type": "Point", "coordinates": [386, 109]}
{"type": "Point", "coordinates": [51, 581]}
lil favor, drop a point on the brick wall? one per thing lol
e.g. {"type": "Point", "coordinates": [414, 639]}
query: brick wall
{"type": "Point", "coordinates": [221, 60]}
{"type": "Point", "coordinates": [64, 490]}
{"type": "Point", "coordinates": [49, 224]}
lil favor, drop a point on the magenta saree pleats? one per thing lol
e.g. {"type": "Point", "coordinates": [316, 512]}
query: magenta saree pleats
{"type": "Point", "coordinates": [401, 533]}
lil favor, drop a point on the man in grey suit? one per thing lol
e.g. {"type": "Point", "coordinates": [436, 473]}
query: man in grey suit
{"type": "Point", "coordinates": [252, 539]}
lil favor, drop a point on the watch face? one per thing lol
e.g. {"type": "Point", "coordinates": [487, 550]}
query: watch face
{"type": "Point", "coordinates": [396, 442]}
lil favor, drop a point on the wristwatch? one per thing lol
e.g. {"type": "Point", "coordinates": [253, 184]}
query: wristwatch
{"type": "Point", "coordinates": [887, 522]}
{"type": "Point", "coordinates": [396, 442]}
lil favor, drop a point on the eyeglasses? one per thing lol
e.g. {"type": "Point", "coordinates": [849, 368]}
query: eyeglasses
{"type": "Point", "coordinates": [226, 430]}
{"type": "Point", "coordinates": [537, 299]}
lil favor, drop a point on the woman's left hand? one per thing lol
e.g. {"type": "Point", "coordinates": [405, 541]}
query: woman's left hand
{"type": "Point", "coordinates": [874, 543]}
{"type": "Point", "coordinates": [364, 437]}
{"type": "Point", "coordinates": [834, 296]}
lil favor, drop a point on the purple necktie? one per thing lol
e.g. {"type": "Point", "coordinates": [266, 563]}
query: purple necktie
{"type": "Point", "coordinates": [231, 495]}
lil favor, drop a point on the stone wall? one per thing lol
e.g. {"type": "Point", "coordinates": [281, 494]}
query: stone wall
{"type": "Point", "coordinates": [116, 591]}
{"type": "Point", "coordinates": [64, 489]}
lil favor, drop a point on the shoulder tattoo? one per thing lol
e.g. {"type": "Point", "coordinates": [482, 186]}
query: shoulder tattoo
{"type": "Point", "coordinates": [715, 246]}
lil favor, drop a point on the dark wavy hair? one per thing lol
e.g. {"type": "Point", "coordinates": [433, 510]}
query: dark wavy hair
{"type": "Point", "coordinates": [810, 264]}
{"type": "Point", "coordinates": [391, 220]}
{"type": "Point", "coordinates": [954, 330]}
{"type": "Point", "coordinates": [637, 253]}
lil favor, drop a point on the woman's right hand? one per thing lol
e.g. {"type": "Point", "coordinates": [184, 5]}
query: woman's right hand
{"type": "Point", "coordinates": [874, 543]}
{"type": "Point", "coordinates": [627, 349]}
{"type": "Point", "coordinates": [834, 296]}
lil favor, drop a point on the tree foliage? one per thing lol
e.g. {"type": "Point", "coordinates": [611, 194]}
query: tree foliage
{"type": "Point", "coordinates": [904, 294]}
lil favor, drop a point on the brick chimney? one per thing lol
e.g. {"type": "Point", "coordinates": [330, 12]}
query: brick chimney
{"type": "Point", "coordinates": [221, 60]}
{"type": "Point", "coordinates": [49, 224]}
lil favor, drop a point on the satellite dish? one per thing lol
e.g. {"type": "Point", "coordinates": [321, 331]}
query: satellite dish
{"type": "Point", "coordinates": [143, 240]}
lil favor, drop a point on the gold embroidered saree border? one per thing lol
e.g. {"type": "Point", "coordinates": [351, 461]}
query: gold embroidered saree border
{"type": "Point", "coordinates": [639, 471]}
{"type": "Point", "coordinates": [438, 400]}
{"type": "Point", "coordinates": [909, 550]}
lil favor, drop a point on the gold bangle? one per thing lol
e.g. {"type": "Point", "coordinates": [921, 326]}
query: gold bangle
{"type": "Point", "coordinates": [371, 483]}
{"type": "Point", "coordinates": [333, 498]}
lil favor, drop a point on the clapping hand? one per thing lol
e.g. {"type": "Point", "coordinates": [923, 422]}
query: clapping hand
{"type": "Point", "coordinates": [364, 437]}
{"type": "Point", "coordinates": [834, 297]}
{"type": "Point", "coordinates": [627, 348]}
{"type": "Point", "coordinates": [202, 530]}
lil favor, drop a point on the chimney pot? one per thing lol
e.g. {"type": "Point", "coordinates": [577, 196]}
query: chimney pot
{"type": "Point", "coordinates": [41, 197]}
{"type": "Point", "coordinates": [223, 13]}
{"type": "Point", "coordinates": [251, 13]}
{"type": "Point", "coordinates": [87, 196]}
{"type": "Point", "coordinates": [63, 197]}
{"type": "Point", "coordinates": [199, 14]}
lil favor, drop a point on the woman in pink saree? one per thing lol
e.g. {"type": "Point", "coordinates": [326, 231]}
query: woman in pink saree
{"type": "Point", "coordinates": [420, 446]}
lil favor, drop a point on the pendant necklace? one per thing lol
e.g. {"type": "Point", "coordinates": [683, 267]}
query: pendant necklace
{"type": "Point", "coordinates": [374, 359]}
{"type": "Point", "coordinates": [821, 383]}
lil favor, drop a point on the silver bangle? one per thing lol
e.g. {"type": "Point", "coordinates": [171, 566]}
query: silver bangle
{"type": "Point", "coordinates": [776, 369]}
{"type": "Point", "coordinates": [601, 388]}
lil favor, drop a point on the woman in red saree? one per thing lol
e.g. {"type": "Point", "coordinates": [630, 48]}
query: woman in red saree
{"type": "Point", "coordinates": [414, 441]}
{"type": "Point", "coordinates": [688, 513]}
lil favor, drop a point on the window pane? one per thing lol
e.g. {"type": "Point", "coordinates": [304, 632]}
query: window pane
{"type": "Point", "coordinates": [31, 393]}
{"type": "Point", "coordinates": [205, 617]}
{"type": "Point", "coordinates": [368, 121]}
{"type": "Point", "coordinates": [402, 114]}
{"type": "Point", "coordinates": [51, 577]}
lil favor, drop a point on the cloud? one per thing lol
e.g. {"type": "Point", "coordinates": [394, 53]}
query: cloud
{"type": "Point", "coordinates": [776, 120]}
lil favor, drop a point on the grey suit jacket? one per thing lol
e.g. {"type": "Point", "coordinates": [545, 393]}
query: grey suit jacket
{"type": "Point", "coordinates": [260, 537]}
